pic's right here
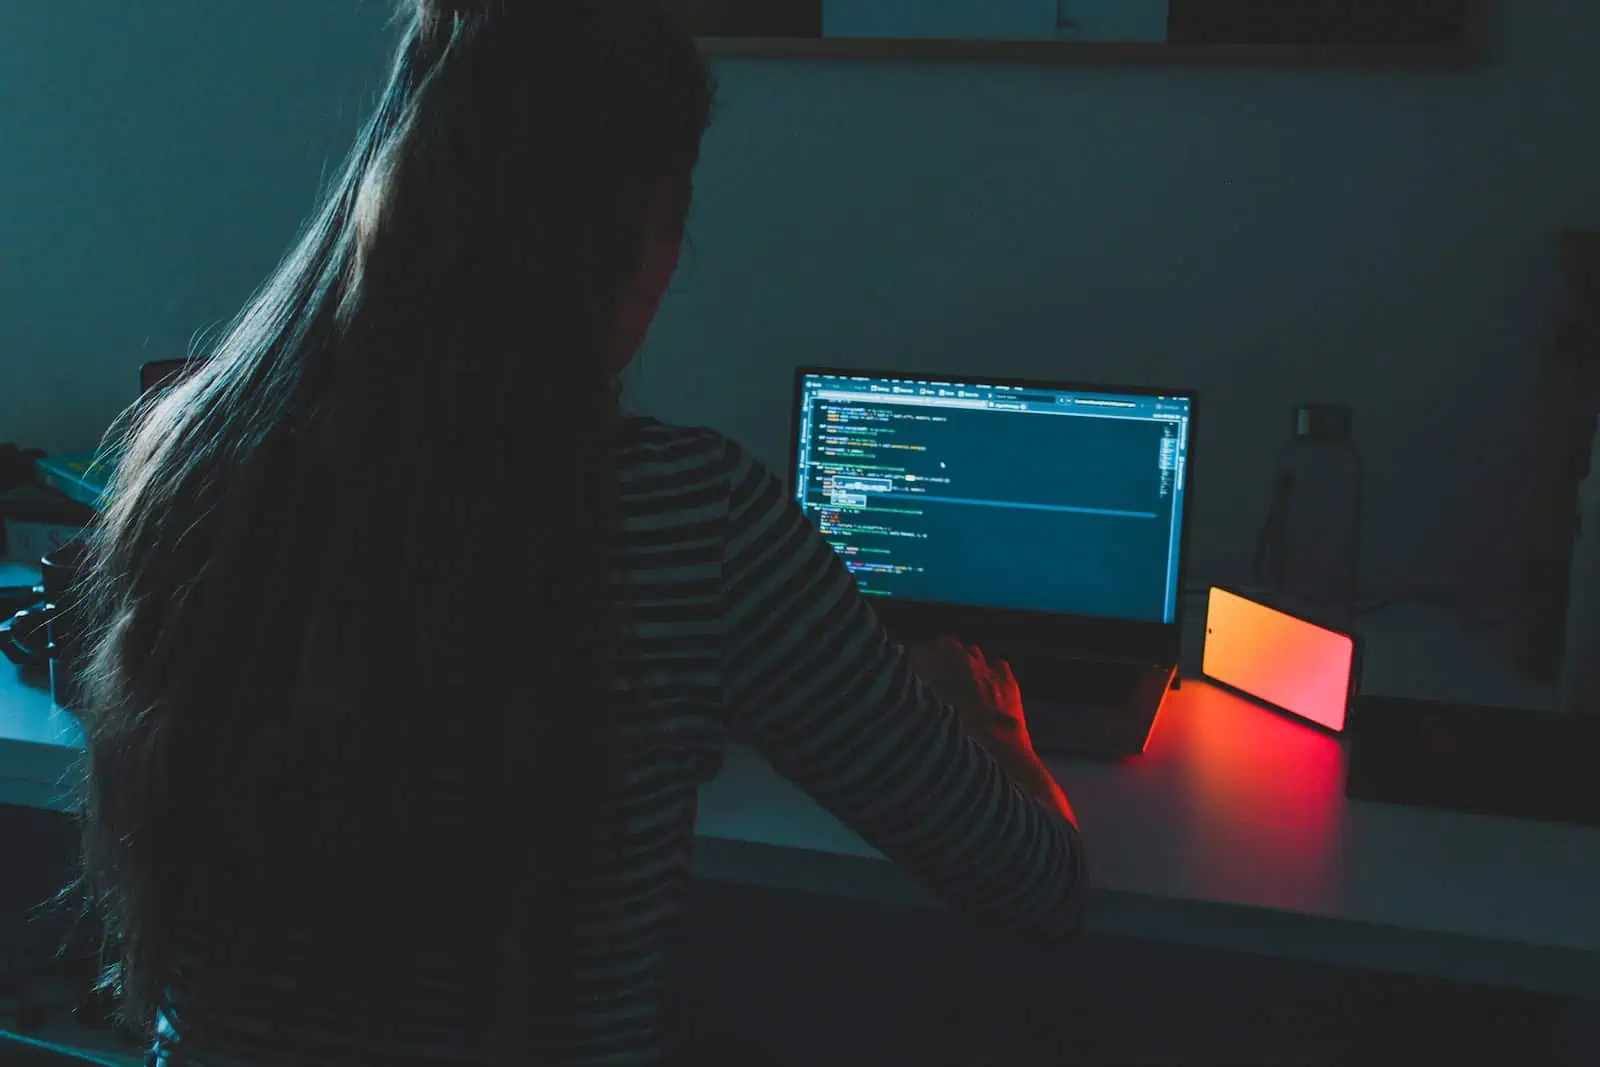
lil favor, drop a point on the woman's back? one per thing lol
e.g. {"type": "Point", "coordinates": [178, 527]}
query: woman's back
{"type": "Point", "coordinates": [406, 971]}
{"type": "Point", "coordinates": [411, 651]}
{"type": "Point", "coordinates": [715, 554]}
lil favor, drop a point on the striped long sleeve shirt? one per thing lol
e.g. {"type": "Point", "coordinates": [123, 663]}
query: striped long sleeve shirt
{"type": "Point", "coordinates": [751, 631]}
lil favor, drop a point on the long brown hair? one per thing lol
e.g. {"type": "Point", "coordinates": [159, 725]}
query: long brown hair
{"type": "Point", "coordinates": [379, 528]}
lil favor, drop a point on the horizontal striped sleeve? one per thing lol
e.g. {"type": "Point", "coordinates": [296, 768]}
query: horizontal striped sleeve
{"type": "Point", "coordinates": [742, 618]}
{"type": "Point", "coordinates": [812, 681]}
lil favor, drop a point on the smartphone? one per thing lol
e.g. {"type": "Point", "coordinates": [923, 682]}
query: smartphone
{"type": "Point", "coordinates": [1279, 659]}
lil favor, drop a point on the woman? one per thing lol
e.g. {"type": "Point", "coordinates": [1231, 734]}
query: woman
{"type": "Point", "coordinates": [412, 651]}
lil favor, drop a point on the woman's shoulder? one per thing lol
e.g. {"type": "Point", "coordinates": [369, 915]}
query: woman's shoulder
{"type": "Point", "coordinates": [643, 433]}
{"type": "Point", "coordinates": [658, 457]}
{"type": "Point", "coordinates": [652, 449]}
{"type": "Point", "coordinates": [649, 442]}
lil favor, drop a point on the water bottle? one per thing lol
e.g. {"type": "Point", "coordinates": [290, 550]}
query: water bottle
{"type": "Point", "coordinates": [1580, 665]}
{"type": "Point", "coordinates": [1309, 552]}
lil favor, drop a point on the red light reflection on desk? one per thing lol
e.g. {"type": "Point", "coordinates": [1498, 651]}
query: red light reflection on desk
{"type": "Point", "coordinates": [1259, 797]}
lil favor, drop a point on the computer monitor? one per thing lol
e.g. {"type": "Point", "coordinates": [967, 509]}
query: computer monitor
{"type": "Point", "coordinates": [998, 494]}
{"type": "Point", "coordinates": [164, 372]}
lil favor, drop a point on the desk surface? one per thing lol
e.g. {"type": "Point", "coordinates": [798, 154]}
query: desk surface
{"type": "Point", "coordinates": [1232, 831]}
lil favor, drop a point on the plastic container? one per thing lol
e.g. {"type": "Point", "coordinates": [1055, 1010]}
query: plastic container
{"type": "Point", "coordinates": [1580, 671]}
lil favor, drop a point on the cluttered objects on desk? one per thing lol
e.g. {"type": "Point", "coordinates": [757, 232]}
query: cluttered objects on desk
{"type": "Point", "coordinates": [34, 518]}
{"type": "Point", "coordinates": [43, 636]}
{"type": "Point", "coordinates": [82, 477]}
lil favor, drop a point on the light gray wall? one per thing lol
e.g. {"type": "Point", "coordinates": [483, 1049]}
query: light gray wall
{"type": "Point", "coordinates": [1268, 236]}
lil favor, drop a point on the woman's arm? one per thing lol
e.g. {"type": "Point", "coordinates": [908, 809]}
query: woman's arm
{"type": "Point", "coordinates": [988, 702]}
{"type": "Point", "coordinates": [816, 686]}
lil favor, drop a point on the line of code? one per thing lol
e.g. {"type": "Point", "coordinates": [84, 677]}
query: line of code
{"type": "Point", "coordinates": [957, 505]}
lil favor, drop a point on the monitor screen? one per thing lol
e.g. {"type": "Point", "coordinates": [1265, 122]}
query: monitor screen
{"type": "Point", "coordinates": [1013, 496]}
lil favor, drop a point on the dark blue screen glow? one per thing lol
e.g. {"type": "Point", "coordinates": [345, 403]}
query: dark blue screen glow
{"type": "Point", "coordinates": [999, 496]}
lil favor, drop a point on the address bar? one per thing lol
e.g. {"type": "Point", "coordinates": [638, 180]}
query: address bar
{"type": "Point", "coordinates": [919, 401]}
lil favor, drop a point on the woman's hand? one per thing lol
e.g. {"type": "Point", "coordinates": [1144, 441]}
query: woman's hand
{"type": "Point", "coordinates": [986, 697]}
{"type": "Point", "coordinates": [984, 694]}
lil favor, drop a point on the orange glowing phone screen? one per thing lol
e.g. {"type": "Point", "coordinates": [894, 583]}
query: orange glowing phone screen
{"type": "Point", "coordinates": [1287, 662]}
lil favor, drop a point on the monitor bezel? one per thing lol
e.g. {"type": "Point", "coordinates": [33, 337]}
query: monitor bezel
{"type": "Point", "coordinates": [160, 373]}
{"type": "Point", "coordinates": [1158, 642]}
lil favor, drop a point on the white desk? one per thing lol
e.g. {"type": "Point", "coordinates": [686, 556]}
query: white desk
{"type": "Point", "coordinates": [1232, 831]}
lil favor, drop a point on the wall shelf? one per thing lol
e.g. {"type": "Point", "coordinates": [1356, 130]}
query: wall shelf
{"type": "Point", "coordinates": [1443, 57]}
